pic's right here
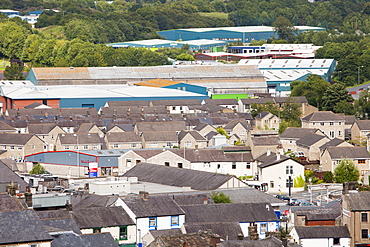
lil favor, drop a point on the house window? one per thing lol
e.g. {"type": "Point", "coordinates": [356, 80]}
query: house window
{"type": "Point", "coordinates": [128, 162]}
{"type": "Point", "coordinates": [313, 123]}
{"type": "Point", "coordinates": [96, 230]}
{"type": "Point", "coordinates": [169, 144]}
{"type": "Point", "coordinates": [289, 184]}
{"type": "Point", "coordinates": [331, 123]}
{"type": "Point", "coordinates": [116, 145]}
{"type": "Point", "coordinates": [248, 166]}
{"type": "Point", "coordinates": [361, 161]}
{"type": "Point", "coordinates": [271, 184]}
{"type": "Point", "coordinates": [188, 144]}
{"type": "Point", "coordinates": [11, 147]}
{"type": "Point", "coordinates": [86, 146]}
{"type": "Point", "coordinates": [242, 133]}
{"type": "Point", "coordinates": [179, 165]}
{"type": "Point", "coordinates": [174, 220]}
{"type": "Point", "coordinates": [133, 145]}
{"type": "Point", "coordinates": [123, 233]}
{"type": "Point", "coordinates": [66, 147]}
{"type": "Point", "coordinates": [339, 133]}
{"type": "Point", "coordinates": [153, 145]}
{"type": "Point", "coordinates": [19, 148]}
{"type": "Point", "coordinates": [363, 217]}
{"type": "Point", "coordinates": [364, 233]}
{"type": "Point", "coordinates": [331, 134]}
{"type": "Point", "coordinates": [233, 166]}
{"type": "Point", "coordinates": [263, 227]}
{"type": "Point", "coordinates": [166, 163]}
{"type": "Point", "coordinates": [266, 121]}
{"type": "Point", "coordinates": [4, 147]}
{"type": "Point", "coordinates": [340, 123]}
{"type": "Point", "coordinates": [152, 222]}
{"type": "Point", "coordinates": [173, 108]}
{"type": "Point", "coordinates": [34, 245]}
{"type": "Point", "coordinates": [322, 124]}
{"type": "Point", "coordinates": [289, 170]}
{"type": "Point", "coordinates": [95, 147]}
{"type": "Point", "coordinates": [336, 241]}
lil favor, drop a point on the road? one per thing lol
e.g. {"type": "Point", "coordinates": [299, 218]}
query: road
{"type": "Point", "coordinates": [319, 193]}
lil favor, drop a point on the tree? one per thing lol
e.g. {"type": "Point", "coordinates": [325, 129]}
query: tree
{"type": "Point", "coordinates": [328, 177]}
{"type": "Point", "coordinates": [37, 169]}
{"type": "Point", "coordinates": [222, 132]}
{"type": "Point", "coordinates": [346, 171]}
{"type": "Point", "coordinates": [362, 105]}
{"type": "Point", "coordinates": [220, 197]}
{"type": "Point", "coordinates": [14, 71]}
{"type": "Point", "coordinates": [333, 95]}
{"type": "Point", "coordinates": [312, 89]}
{"type": "Point", "coordinates": [185, 57]}
{"type": "Point", "coordinates": [284, 28]}
{"type": "Point", "coordinates": [299, 182]}
{"type": "Point", "coordinates": [291, 112]}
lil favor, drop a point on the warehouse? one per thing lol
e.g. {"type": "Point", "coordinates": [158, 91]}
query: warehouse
{"type": "Point", "coordinates": [202, 45]}
{"type": "Point", "coordinates": [75, 163]}
{"type": "Point", "coordinates": [244, 34]}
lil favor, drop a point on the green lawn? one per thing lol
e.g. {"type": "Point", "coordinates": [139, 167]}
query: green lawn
{"type": "Point", "coordinates": [53, 32]}
{"type": "Point", "coordinates": [3, 64]}
{"type": "Point", "coordinates": [219, 15]}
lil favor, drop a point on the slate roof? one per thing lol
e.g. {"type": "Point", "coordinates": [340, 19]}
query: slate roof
{"type": "Point", "coordinates": [233, 123]}
{"type": "Point", "coordinates": [154, 206]}
{"type": "Point", "coordinates": [87, 240]}
{"type": "Point", "coordinates": [87, 201]}
{"type": "Point", "coordinates": [229, 212]}
{"type": "Point", "coordinates": [54, 214]}
{"type": "Point", "coordinates": [160, 136]}
{"type": "Point", "coordinates": [322, 116]}
{"type": "Point", "coordinates": [257, 101]}
{"type": "Point", "coordinates": [124, 127]}
{"type": "Point", "coordinates": [190, 197]}
{"type": "Point", "coordinates": [22, 226]}
{"type": "Point", "coordinates": [175, 102]}
{"type": "Point", "coordinates": [179, 177]}
{"type": "Point", "coordinates": [200, 126]}
{"type": "Point", "coordinates": [249, 195]}
{"type": "Point", "coordinates": [122, 137]}
{"type": "Point", "coordinates": [363, 124]}
{"type": "Point", "coordinates": [7, 175]}
{"type": "Point", "coordinates": [8, 202]}
{"type": "Point", "coordinates": [136, 103]}
{"type": "Point", "coordinates": [348, 152]}
{"type": "Point", "coordinates": [299, 99]}
{"type": "Point", "coordinates": [147, 153]}
{"type": "Point", "coordinates": [33, 105]}
{"type": "Point", "coordinates": [309, 232]}
{"type": "Point", "coordinates": [265, 140]}
{"type": "Point", "coordinates": [349, 119]}
{"type": "Point", "coordinates": [272, 159]}
{"type": "Point", "coordinates": [310, 139]}
{"type": "Point", "coordinates": [71, 139]}
{"type": "Point", "coordinates": [359, 201]}
{"type": "Point", "coordinates": [66, 224]}
{"type": "Point", "coordinates": [212, 155]}
{"type": "Point", "coordinates": [5, 127]}
{"type": "Point", "coordinates": [160, 126]}
{"type": "Point", "coordinates": [296, 133]}
{"type": "Point", "coordinates": [40, 128]}
{"type": "Point", "coordinates": [236, 149]}
{"type": "Point", "coordinates": [221, 101]}
{"type": "Point", "coordinates": [320, 213]}
{"type": "Point", "coordinates": [14, 139]}
{"type": "Point", "coordinates": [168, 232]}
{"type": "Point", "coordinates": [226, 230]}
{"type": "Point", "coordinates": [85, 128]}
{"type": "Point", "coordinates": [269, 242]}
{"type": "Point", "coordinates": [195, 134]}
{"type": "Point", "coordinates": [190, 239]}
{"type": "Point", "coordinates": [101, 217]}
{"type": "Point", "coordinates": [332, 143]}
{"type": "Point", "coordinates": [264, 114]}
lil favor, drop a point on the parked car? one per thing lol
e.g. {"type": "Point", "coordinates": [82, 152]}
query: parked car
{"type": "Point", "coordinates": [58, 188]}
{"type": "Point", "coordinates": [283, 197]}
{"type": "Point", "coordinates": [293, 202]}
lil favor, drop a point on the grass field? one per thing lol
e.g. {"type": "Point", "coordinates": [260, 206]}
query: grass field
{"type": "Point", "coordinates": [219, 15]}
{"type": "Point", "coordinates": [53, 32]}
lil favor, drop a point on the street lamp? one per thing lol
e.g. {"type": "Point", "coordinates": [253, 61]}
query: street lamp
{"type": "Point", "coordinates": [358, 75]}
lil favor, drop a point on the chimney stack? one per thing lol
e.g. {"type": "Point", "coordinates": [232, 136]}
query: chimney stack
{"type": "Point", "coordinates": [268, 152]}
{"type": "Point", "coordinates": [144, 195]}
{"type": "Point", "coordinates": [28, 197]}
{"type": "Point", "coordinates": [11, 188]}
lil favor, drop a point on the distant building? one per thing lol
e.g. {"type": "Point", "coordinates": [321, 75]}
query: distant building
{"type": "Point", "coordinates": [243, 34]}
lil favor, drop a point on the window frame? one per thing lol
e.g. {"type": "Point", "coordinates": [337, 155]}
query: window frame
{"type": "Point", "coordinates": [364, 217]}
{"type": "Point", "coordinates": [151, 220]}
{"type": "Point", "coordinates": [175, 218]}
{"type": "Point", "coordinates": [364, 231]}
{"type": "Point", "coordinates": [125, 236]}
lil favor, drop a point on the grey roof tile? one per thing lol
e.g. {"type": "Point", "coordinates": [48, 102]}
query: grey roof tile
{"type": "Point", "coordinates": [309, 232]}
{"type": "Point", "coordinates": [348, 152]}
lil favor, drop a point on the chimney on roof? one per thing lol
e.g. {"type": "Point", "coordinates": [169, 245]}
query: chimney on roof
{"type": "Point", "coordinates": [240, 236]}
{"type": "Point", "coordinates": [252, 231]}
{"type": "Point", "coordinates": [144, 195]}
{"type": "Point", "coordinates": [28, 197]}
{"type": "Point", "coordinates": [348, 186]}
{"type": "Point", "coordinates": [268, 153]}
{"type": "Point", "coordinates": [11, 188]}
{"type": "Point", "coordinates": [205, 201]}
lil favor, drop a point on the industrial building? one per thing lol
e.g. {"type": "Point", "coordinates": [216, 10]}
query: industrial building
{"type": "Point", "coordinates": [174, 85]}
{"type": "Point", "coordinates": [203, 45]}
{"type": "Point", "coordinates": [76, 162]}
{"type": "Point", "coordinates": [217, 79]}
{"type": "Point", "coordinates": [77, 96]}
{"type": "Point", "coordinates": [278, 73]}
{"type": "Point", "coordinates": [244, 34]}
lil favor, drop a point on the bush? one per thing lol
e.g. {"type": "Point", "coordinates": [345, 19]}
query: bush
{"type": "Point", "coordinates": [220, 197]}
